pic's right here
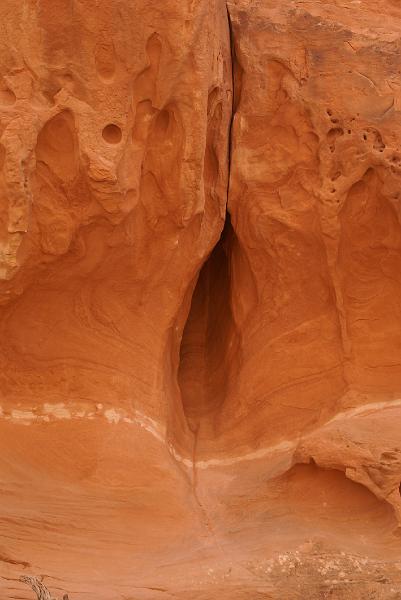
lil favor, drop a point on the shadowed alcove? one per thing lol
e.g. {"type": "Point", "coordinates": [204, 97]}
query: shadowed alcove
{"type": "Point", "coordinates": [209, 339]}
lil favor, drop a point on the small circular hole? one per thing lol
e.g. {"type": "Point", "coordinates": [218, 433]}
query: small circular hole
{"type": "Point", "coordinates": [112, 134]}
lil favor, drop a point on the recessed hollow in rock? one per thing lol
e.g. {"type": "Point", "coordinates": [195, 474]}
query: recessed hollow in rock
{"type": "Point", "coordinates": [208, 339]}
{"type": "Point", "coordinates": [112, 134]}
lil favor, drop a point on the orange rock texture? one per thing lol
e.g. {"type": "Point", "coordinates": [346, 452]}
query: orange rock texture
{"type": "Point", "coordinates": [200, 299]}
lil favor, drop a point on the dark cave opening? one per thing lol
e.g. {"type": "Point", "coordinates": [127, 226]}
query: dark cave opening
{"type": "Point", "coordinates": [209, 337]}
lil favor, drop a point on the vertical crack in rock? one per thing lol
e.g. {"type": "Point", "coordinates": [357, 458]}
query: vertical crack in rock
{"type": "Point", "coordinates": [210, 339]}
{"type": "Point", "coordinates": [209, 334]}
{"type": "Point", "coordinates": [235, 95]}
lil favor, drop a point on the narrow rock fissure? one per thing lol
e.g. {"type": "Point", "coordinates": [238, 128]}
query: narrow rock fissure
{"type": "Point", "coordinates": [210, 341]}
{"type": "Point", "coordinates": [234, 96]}
{"type": "Point", "coordinates": [209, 331]}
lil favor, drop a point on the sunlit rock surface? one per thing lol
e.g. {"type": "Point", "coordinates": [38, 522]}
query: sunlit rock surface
{"type": "Point", "coordinates": [200, 299]}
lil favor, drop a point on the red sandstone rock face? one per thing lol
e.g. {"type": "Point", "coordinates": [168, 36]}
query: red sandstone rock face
{"type": "Point", "coordinates": [200, 286]}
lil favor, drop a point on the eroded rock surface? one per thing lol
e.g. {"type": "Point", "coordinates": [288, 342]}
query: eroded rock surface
{"type": "Point", "coordinates": [200, 299]}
